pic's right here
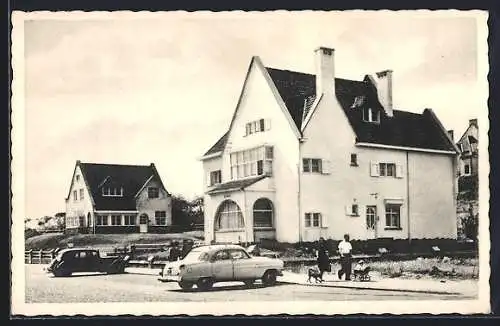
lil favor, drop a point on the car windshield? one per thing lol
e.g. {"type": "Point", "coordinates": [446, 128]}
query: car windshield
{"type": "Point", "coordinates": [196, 255]}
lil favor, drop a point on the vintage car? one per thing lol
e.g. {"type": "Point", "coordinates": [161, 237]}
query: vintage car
{"type": "Point", "coordinates": [206, 265]}
{"type": "Point", "coordinates": [73, 260]}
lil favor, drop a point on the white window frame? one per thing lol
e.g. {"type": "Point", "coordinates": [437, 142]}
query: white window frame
{"type": "Point", "coordinates": [75, 195]}
{"type": "Point", "coordinates": [373, 117]}
{"type": "Point", "coordinates": [256, 126]}
{"type": "Point", "coordinates": [161, 218]}
{"type": "Point", "coordinates": [467, 166]}
{"type": "Point", "coordinates": [81, 194]}
{"type": "Point", "coordinates": [307, 165]}
{"type": "Point", "coordinates": [251, 162]}
{"type": "Point", "coordinates": [311, 217]}
{"type": "Point", "coordinates": [392, 215]}
{"type": "Point", "coordinates": [215, 177]}
{"type": "Point", "coordinates": [127, 219]}
{"type": "Point", "coordinates": [116, 220]}
{"type": "Point", "coordinates": [102, 220]}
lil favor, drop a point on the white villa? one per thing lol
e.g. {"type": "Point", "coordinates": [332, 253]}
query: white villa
{"type": "Point", "coordinates": [309, 156]}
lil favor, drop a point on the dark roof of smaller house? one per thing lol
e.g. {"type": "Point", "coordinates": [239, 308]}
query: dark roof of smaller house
{"type": "Point", "coordinates": [236, 184]}
{"type": "Point", "coordinates": [219, 145]}
{"type": "Point", "coordinates": [131, 177]}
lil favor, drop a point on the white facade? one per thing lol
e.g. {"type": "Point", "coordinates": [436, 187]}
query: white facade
{"type": "Point", "coordinates": [426, 208]}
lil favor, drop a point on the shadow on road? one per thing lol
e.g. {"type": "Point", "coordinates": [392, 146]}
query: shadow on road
{"type": "Point", "coordinates": [228, 288]}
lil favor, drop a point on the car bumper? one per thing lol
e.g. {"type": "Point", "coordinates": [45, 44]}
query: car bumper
{"type": "Point", "coordinates": [169, 278]}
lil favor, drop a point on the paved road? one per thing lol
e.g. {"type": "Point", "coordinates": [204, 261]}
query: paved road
{"type": "Point", "coordinates": [44, 288]}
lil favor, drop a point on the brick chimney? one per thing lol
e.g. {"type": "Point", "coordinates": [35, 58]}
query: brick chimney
{"type": "Point", "coordinates": [325, 71]}
{"type": "Point", "coordinates": [384, 90]}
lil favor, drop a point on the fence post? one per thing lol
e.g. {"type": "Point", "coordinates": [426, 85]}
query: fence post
{"type": "Point", "coordinates": [40, 253]}
{"type": "Point", "coordinates": [30, 256]}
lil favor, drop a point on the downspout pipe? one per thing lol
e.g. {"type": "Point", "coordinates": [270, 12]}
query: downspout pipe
{"type": "Point", "coordinates": [408, 198]}
{"type": "Point", "coordinates": [299, 193]}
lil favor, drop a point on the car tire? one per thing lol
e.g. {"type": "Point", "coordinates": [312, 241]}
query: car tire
{"type": "Point", "coordinates": [205, 284]}
{"type": "Point", "coordinates": [269, 278]}
{"type": "Point", "coordinates": [249, 283]}
{"type": "Point", "coordinates": [185, 285]}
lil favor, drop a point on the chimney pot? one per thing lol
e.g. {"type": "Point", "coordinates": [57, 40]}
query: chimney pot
{"type": "Point", "coordinates": [473, 122]}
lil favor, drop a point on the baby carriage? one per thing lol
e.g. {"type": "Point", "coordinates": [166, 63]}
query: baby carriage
{"type": "Point", "coordinates": [361, 272]}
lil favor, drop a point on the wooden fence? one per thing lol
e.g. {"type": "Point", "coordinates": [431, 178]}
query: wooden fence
{"type": "Point", "coordinates": [39, 256]}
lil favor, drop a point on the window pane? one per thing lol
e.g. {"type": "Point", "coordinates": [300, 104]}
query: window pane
{"type": "Point", "coordinates": [308, 219]}
{"type": "Point", "coordinates": [382, 169]}
{"type": "Point", "coordinates": [260, 167]}
{"type": "Point", "coordinates": [316, 165]}
{"type": "Point", "coordinates": [391, 170]}
{"type": "Point", "coordinates": [269, 152]}
{"type": "Point", "coordinates": [305, 163]}
{"type": "Point", "coordinates": [315, 219]}
{"type": "Point", "coordinates": [262, 128]}
{"type": "Point", "coordinates": [254, 168]}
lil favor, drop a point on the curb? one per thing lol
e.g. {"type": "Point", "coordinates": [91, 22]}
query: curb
{"type": "Point", "coordinates": [373, 288]}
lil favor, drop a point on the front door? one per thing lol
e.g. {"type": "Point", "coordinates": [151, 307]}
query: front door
{"type": "Point", "coordinates": [371, 221]}
{"type": "Point", "coordinates": [143, 223]}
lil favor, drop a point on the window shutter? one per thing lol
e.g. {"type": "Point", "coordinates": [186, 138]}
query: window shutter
{"type": "Point", "coordinates": [399, 171]}
{"type": "Point", "coordinates": [267, 123]}
{"type": "Point", "coordinates": [208, 179]}
{"type": "Point", "coordinates": [326, 166]}
{"type": "Point", "coordinates": [324, 221]}
{"type": "Point", "coordinates": [374, 169]}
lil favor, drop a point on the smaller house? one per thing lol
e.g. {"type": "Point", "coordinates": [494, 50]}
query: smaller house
{"type": "Point", "coordinates": [468, 150]}
{"type": "Point", "coordinates": [112, 198]}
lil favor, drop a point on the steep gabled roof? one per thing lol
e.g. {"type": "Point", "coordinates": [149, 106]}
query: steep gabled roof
{"type": "Point", "coordinates": [131, 177]}
{"type": "Point", "coordinates": [403, 129]}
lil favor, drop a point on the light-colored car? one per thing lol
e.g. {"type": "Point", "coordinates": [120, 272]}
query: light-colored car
{"type": "Point", "coordinates": [206, 265]}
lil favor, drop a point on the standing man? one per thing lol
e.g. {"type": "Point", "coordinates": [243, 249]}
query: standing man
{"type": "Point", "coordinates": [345, 250]}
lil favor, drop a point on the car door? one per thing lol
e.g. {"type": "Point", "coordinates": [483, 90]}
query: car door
{"type": "Point", "coordinates": [92, 261]}
{"type": "Point", "coordinates": [78, 264]}
{"type": "Point", "coordinates": [222, 266]}
{"type": "Point", "coordinates": [243, 265]}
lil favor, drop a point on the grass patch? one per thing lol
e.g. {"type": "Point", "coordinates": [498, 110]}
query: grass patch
{"type": "Point", "coordinates": [59, 240]}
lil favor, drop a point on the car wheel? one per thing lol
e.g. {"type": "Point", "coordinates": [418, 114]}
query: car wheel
{"type": "Point", "coordinates": [249, 283]}
{"type": "Point", "coordinates": [205, 284]}
{"type": "Point", "coordinates": [185, 285]}
{"type": "Point", "coordinates": [269, 278]}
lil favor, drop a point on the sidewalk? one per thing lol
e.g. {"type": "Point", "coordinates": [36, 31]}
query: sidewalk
{"type": "Point", "coordinates": [430, 286]}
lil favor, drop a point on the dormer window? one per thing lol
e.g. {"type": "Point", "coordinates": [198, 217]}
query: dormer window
{"type": "Point", "coordinates": [112, 192]}
{"type": "Point", "coordinates": [371, 115]}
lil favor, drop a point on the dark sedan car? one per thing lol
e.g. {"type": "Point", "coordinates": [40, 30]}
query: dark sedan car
{"type": "Point", "coordinates": [73, 260]}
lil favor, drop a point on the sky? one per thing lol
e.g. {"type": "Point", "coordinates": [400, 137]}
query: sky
{"type": "Point", "coordinates": [163, 88]}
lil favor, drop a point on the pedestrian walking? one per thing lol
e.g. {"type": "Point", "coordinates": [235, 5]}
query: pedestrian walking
{"type": "Point", "coordinates": [175, 253]}
{"type": "Point", "coordinates": [323, 259]}
{"type": "Point", "coordinates": [345, 251]}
